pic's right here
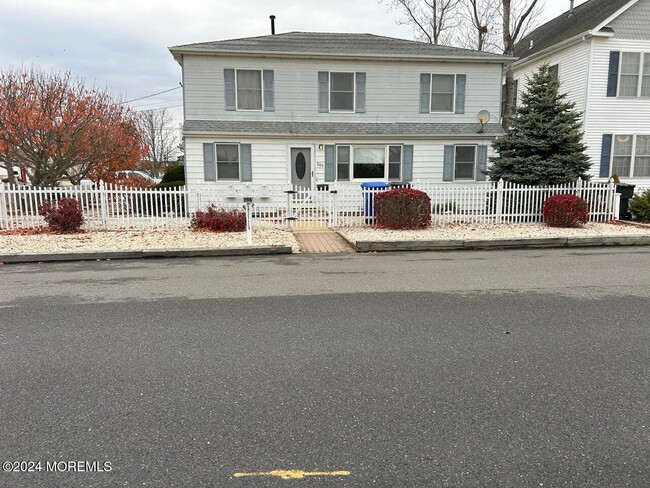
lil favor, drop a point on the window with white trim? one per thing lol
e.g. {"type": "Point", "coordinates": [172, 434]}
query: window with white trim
{"type": "Point", "coordinates": [464, 162]}
{"type": "Point", "coordinates": [554, 71]}
{"type": "Point", "coordinates": [249, 89]}
{"type": "Point", "coordinates": [631, 156]}
{"type": "Point", "coordinates": [443, 93]}
{"type": "Point", "coordinates": [369, 162]}
{"type": "Point", "coordinates": [341, 92]}
{"type": "Point", "coordinates": [634, 75]}
{"type": "Point", "coordinates": [228, 162]}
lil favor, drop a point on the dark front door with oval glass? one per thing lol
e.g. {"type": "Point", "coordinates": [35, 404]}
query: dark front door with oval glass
{"type": "Point", "coordinates": [301, 166]}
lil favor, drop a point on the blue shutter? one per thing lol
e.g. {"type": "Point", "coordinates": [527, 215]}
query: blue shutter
{"type": "Point", "coordinates": [324, 91]}
{"type": "Point", "coordinates": [209, 173]}
{"type": "Point", "coordinates": [461, 81]}
{"type": "Point", "coordinates": [361, 93]}
{"type": "Point", "coordinates": [425, 93]}
{"type": "Point", "coordinates": [606, 155]}
{"type": "Point", "coordinates": [229, 89]}
{"type": "Point", "coordinates": [246, 162]}
{"type": "Point", "coordinates": [330, 162]}
{"type": "Point", "coordinates": [481, 159]}
{"type": "Point", "coordinates": [407, 162]}
{"type": "Point", "coordinates": [448, 164]}
{"type": "Point", "coordinates": [612, 74]}
{"type": "Point", "coordinates": [269, 98]}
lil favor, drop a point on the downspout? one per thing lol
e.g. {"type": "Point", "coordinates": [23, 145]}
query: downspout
{"type": "Point", "coordinates": [585, 114]}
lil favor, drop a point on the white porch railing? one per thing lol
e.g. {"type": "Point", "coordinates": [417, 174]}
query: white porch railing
{"type": "Point", "coordinates": [333, 205]}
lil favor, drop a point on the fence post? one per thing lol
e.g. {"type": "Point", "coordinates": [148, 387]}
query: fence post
{"type": "Point", "coordinates": [499, 209]}
{"type": "Point", "coordinates": [333, 210]}
{"type": "Point", "coordinates": [617, 203]}
{"type": "Point", "coordinates": [103, 202]}
{"type": "Point", "coordinates": [4, 219]}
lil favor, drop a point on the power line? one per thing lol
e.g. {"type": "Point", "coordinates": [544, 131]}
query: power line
{"type": "Point", "coordinates": [158, 108]}
{"type": "Point", "coordinates": [154, 94]}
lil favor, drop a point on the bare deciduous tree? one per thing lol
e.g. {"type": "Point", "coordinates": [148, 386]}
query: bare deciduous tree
{"type": "Point", "coordinates": [161, 138]}
{"type": "Point", "coordinates": [432, 20]}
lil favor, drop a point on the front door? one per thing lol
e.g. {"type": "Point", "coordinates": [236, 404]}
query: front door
{"type": "Point", "coordinates": [301, 167]}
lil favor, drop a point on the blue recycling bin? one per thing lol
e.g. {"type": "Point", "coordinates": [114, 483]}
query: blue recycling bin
{"type": "Point", "coordinates": [368, 194]}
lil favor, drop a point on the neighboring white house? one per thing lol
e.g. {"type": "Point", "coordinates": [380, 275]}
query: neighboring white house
{"type": "Point", "coordinates": [314, 108]}
{"type": "Point", "coordinates": [600, 52]}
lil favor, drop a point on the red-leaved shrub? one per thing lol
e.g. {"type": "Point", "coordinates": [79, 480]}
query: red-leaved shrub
{"type": "Point", "coordinates": [402, 208]}
{"type": "Point", "coordinates": [63, 216]}
{"type": "Point", "coordinates": [565, 211]}
{"type": "Point", "coordinates": [219, 220]}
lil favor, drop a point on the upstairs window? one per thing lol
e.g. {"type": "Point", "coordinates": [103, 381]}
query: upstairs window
{"type": "Point", "coordinates": [554, 71]}
{"type": "Point", "coordinates": [249, 89]}
{"type": "Point", "coordinates": [443, 93]}
{"type": "Point", "coordinates": [342, 92]}
{"type": "Point", "coordinates": [634, 75]}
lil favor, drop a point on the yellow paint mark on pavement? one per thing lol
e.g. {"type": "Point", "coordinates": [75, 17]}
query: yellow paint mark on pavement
{"type": "Point", "coordinates": [293, 474]}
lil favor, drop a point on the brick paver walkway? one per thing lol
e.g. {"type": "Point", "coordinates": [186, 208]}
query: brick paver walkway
{"type": "Point", "coordinates": [321, 240]}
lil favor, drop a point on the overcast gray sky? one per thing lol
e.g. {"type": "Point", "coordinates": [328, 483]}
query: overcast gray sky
{"type": "Point", "coordinates": [122, 44]}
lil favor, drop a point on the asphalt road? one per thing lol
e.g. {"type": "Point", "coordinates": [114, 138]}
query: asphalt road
{"type": "Point", "coordinates": [467, 369]}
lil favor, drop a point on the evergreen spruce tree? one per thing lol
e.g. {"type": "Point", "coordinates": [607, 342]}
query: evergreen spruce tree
{"type": "Point", "coordinates": [544, 143]}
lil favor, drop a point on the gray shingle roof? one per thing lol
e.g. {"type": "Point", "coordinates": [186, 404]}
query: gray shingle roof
{"type": "Point", "coordinates": [402, 129]}
{"type": "Point", "coordinates": [334, 44]}
{"type": "Point", "coordinates": [584, 18]}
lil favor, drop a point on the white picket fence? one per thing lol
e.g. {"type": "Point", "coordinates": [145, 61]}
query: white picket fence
{"type": "Point", "coordinates": [333, 205]}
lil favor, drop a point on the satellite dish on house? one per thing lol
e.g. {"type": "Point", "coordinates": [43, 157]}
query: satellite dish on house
{"type": "Point", "coordinates": [483, 117]}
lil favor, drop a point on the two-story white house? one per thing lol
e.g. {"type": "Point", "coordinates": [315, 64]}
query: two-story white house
{"type": "Point", "coordinates": [314, 108]}
{"type": "Point", "coordinates": [600, 51]}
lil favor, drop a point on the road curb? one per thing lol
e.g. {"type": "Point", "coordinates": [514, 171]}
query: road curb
{"type": "Point", "coordinates": [522, 243]}
{"type": "Point", "coordinates": [142, 254]}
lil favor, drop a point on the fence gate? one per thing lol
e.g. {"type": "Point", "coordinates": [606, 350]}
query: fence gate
{"type": "Point", "coordinates": [310, 208]}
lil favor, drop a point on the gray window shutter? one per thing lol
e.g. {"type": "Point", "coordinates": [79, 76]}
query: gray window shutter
{"type": "Point", "coordinates": [425, 93]}
{"type": "Point", "coordinates": [229, 89]}
{"type": "Point", "coordinates": [612, 74]}
{"type": "Point", "coordinates": [461, 81]}
{"type": "Point", "coordinates": [606, 155]}
{"type": "Point", "coordinates": [481, 159]}
{"type": "Point", "coordinates": [324, 91]}
{"type": "Point", "coordinates": [361, 93]}
{"type": "Point", "coordinates": [448, 164]}
{"type": "Point", "coordinates": [407, 162]}
{"type": "Point", "coordinates": [330, 162]}
{"type": "Point", "coordinates": [269, 96]}
{"type": "Point", "coordinates": [209, 173]}
{"type": "Point", "coordinates": [246, 162]}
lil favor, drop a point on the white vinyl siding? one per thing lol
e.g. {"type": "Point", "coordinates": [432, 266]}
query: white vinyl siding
{"type": "Point", "coordinates": [392, 89]}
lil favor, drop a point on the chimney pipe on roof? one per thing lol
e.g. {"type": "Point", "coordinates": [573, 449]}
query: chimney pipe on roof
{"type": "Point", "coordinates": [571, 9]}
{"type": "Point", "coordinates": [272, 17]}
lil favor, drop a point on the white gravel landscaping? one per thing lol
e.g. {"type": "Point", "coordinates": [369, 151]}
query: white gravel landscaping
{"type": "Point", "coordinates": [124, 240]}
{"type": "Point", "coordinates": [487, 231]}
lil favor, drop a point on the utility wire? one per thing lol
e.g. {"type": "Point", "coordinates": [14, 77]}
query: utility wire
{"type": "Point", "coordinates": [153, 94]}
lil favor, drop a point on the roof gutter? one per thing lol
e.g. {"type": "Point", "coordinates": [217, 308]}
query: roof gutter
{"type": "Point", "coordinates": [178, 52]}
{"type": "Point", "coordinates": [523, 61]}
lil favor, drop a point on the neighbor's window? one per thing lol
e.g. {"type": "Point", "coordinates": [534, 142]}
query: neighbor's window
{"type": "Point", "coordinates": [642, 157]}
{"type": "Point", "coordinates": [369, 163]}
{"type": "Point", "coordinates": [227, 162]}
{"type": "Point", "coordinates": [629, 83]}
{"type": "Point", "coordinates": [464, 162]}
{"type": "Point", "coordinates": [342, 92]}
{"type": "Point", "coordinates": [442, 93]}
{"type": "Point", "coordinates": [554, 71]}
{"type": "Point", "coordinates": [645, 79]}
{"type": "Point", "coordinates": [622, 160]}
{"type": "Point", "coordinates": [249, 89]}
{"type": "Point", "coordinates": [343, 162]}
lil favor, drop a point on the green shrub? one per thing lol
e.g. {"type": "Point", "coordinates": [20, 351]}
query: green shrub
{"type": "Point", "coordinates": [403, 208]}
{"type": "Point", "coordinates": [640, 206]}
{"type": "Point", "coordinates": [174, 173]}
{"type": "Point", "coordinates": [170, 184]}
